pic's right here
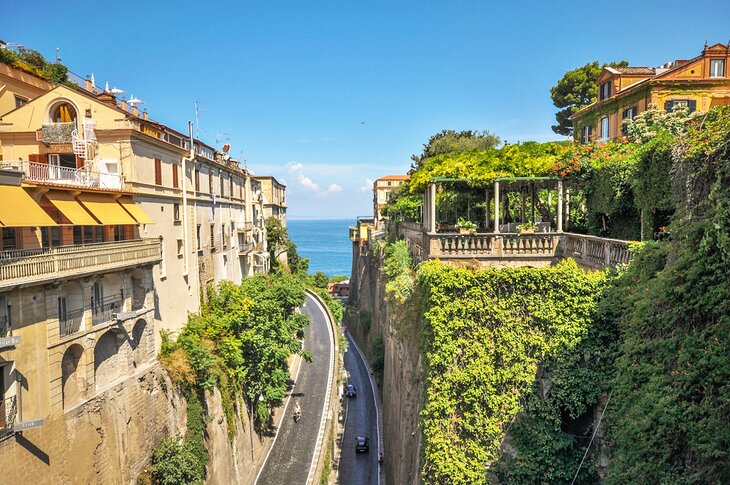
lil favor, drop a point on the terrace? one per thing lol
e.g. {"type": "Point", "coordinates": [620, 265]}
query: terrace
{"type": "Point", "coordinates": [58, 175]}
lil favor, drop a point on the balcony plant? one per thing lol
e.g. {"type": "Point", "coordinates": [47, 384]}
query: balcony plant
{"type": "Point", "coordinates": [466, 226]}
{"type": "Point", "coordinates": [526, 228]}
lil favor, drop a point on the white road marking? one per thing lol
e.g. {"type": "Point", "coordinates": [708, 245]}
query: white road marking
{"type": "Point", "coordinates": [378, 423]}
{"type": "Point", "coordinates": [325, 407]}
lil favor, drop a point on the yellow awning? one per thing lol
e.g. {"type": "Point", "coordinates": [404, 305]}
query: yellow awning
{"type": "Point", "coordinates": [18, 209]}
{"type": "Point", "coordinates": [134, 209]}
{"type": "Point", "coordinates": [105, 208]}
{"type": "Point", "coordinates": [64, 202]}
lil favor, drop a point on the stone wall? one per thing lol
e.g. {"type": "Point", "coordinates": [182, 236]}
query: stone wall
{"type": "Point", "coordinates": [402, 380]}
{"type": "Point", "coordinates": [108, 439]}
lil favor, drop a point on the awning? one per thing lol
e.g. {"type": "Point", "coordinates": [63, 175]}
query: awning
{"type": "Point", "coordinates": [18, 209]}
{"type": "Point", "coordinates": [135, 210]}
{"type": "Point", "coordinates": [105, 208]}
{"type": "Point", "coordinates": [64, 202]}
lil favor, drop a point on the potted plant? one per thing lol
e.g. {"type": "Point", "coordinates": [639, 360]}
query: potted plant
{"type": "Point", "coordinates": [526, 228]}
{"type": "Point", "coordinates": [466, 226]}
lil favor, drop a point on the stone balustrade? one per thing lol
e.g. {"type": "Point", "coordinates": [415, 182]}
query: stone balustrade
{"type": "Point", "coordinates": [29, 266]}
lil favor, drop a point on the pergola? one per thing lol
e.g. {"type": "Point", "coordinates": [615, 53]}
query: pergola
{"type": "Point", "coordinates": [502, 186]}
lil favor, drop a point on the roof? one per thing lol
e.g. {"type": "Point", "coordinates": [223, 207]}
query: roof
{"type": "Point", "coordinates": [264, 177]}
{"type": "Point", "coordinates": [394, 177]}
{"type": "Point", "coordinates": [646, 71]}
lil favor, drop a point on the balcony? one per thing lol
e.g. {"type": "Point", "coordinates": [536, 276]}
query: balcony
{"type": "Point", "coordinates": [104, 312]}
{"type": "Point", "coordinates": [35, 266]}
{"type": "Point", "coordinates": [54, 174]}
{"type": "Point", "coordinates": [57, 133]}
{"type": "Point", "coordinates": [8, 412]}
{"type": "Point", "coordinates": [70, 322]}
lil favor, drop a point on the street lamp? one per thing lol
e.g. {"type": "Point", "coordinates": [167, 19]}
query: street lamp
{"type": "Point", "coordinates": [250, 421]}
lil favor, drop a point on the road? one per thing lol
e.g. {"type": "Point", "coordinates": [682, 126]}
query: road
{"type": "Point", "coordinates": [359, 468]}
{"type": "Point", "coordinates": [291, 455]}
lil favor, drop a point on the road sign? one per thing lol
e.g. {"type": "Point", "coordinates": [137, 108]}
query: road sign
{"type": "Point", "coordinates": [27, 425]}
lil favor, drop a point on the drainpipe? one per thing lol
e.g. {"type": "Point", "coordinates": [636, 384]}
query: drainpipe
{"type": "Point", "coordinates": [186, 245]}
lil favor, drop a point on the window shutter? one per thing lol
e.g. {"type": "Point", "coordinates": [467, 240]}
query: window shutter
{"type": "Point", "coordinates": [692, 104]}
{"type": "Point", "coordinates": [668, 106]}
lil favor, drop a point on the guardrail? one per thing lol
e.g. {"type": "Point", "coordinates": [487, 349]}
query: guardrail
{"type": "Point", "coordinates": [55, 174]}
{"type": "Point", "coordinates": [36, 265]}
{"type": "Point", "coordinates": [70, 322]}
{"type": "Point", "coordinates": [598, 252]}
{"type": "Point", "coordinates": [103, 313]}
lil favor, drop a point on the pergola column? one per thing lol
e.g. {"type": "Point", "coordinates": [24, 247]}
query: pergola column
{"type": "Point", "coordinates": [560, 206]}
{"type": "Point", "coordinates": [487, 215]}
{"type": "Point", "coordinates": [432, 208]}
{"type": "Point", "coordinates": [496, 206]}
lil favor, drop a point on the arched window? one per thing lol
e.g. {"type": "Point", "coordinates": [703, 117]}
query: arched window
{"type": "Point", "coordinates": [108, 364]}
{"type": "Point", "coordinates": [72, 381]}
{"type": "Point", "coordinates": [63, 113]}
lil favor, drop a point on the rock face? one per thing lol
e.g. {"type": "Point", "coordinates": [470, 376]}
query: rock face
{"type": "Point", "coordinates": [107, 439]}
{"type": "Point", "coordinates": [401, 384]}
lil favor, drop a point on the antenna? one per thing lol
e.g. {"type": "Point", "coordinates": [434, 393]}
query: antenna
{"type": "Point", "coordinates": [58, 58]}
{"type": "Point", "coordinates": [198, 109]}
{"type": "Point", "coordinates": [219, 137]}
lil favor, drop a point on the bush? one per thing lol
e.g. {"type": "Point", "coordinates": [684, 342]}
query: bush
{"type": "Point", "coordinates": [377, 355]}
{"type": "Point", "coordinates": [174, 463]}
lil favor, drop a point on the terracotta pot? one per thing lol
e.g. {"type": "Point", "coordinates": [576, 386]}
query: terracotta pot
{"type": "Point", "coordinates": [527, 231]}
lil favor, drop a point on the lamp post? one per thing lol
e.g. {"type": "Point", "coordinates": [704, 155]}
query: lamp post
{"type": "Point", "coordinates": [250, 421]}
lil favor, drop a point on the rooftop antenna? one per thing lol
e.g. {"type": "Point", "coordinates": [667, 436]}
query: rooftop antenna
{"type": "Point", "coordinates": [134, 101]}
{"type": "Point", "coordinates": [198, 109]}
{"type": "Point", "coordinates": [58, 58]}
{"type": "Point", "coordinates": [219, 137]}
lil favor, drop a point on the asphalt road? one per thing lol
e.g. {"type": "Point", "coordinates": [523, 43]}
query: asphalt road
{"type": "Point", "coordinates": [359, 468]}
{"type": "Point", "coordinates": [291, 455]}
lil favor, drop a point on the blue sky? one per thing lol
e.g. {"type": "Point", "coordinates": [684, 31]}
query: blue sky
{"type": "Point", "coordinates": [328, 96]}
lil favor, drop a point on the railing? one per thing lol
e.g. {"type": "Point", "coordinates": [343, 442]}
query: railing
{"type": "Point", "coordinates": [596, 251]}
{"type": "Point", "coordinates": [245, 248]}
{"type": "Point", "coordinates": [103, 313]}
{"type": "Point", "coordinates": [8, 412]}
{"type": "Point", "coordinates": [43, 172]}
{"type": "Point", "coordinates": [57, 132]}
{"type": "Point", "coordinates": [70, 322]}
{"type": "Point", "coordinates": [23, 266]}
{"type": "Point", "coordinates": [590, 251]}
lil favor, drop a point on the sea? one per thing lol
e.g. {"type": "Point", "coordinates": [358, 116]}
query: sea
{"type": "Point", "coordinates": [326, 242]}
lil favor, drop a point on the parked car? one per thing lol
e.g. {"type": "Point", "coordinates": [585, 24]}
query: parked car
{"type": "Point", "coordinates": [350, 391]}
{"type": "Point", "coordinates": [363, 444]}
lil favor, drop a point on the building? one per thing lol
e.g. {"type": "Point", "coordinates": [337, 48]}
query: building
{"type": "Point", "coordinates": [113, 227]}
{"type": "Point", "coordinates": [382, 188]}
{"type": "Point", "coordinates": [699, 83]}
{"type": "Point", "coordinates": [274, 197]}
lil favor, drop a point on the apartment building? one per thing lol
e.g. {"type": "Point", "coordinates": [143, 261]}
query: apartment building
{"type": "Point", "coordinates": [113, 228]}
{"type": "Point", "coordinates": [699, 84]}
{"type": "Point", "coordinates": [274, 197]}
{"type": "Point", "coordinates": [382, 188]}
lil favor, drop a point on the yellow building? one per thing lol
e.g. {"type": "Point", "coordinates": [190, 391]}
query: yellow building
{"type": "Point", "coordinates": [274, 197]}
{"type": "Point", "coordinates": [382, 188]}
{"type": "Point", "coordinates": [699, 83]}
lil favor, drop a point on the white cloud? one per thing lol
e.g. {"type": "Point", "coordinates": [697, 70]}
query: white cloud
{"type": "Point", "coordinates": [296, 170]}
{"type": "Point", "coordinates": [368, 186]}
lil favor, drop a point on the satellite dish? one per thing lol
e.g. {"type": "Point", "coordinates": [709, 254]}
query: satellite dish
{"type": "Point", "coordinates": [115, 90]}
{"type": "Point", "coordinates": [226, 147]}
{"type": "Point", "coordinates": [133, 101]}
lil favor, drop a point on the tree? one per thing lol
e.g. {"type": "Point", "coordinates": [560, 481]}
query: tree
{"type": "Point", "coordinates": [576, 89]}
{"type": "Point", "coordinates": [450, 141]}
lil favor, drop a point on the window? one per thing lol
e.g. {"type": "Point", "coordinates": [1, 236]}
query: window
{"type": "Point", "coordinates": [176, 212]}
{"type": "Point", "coordinates": [9, 239]}
{"type": "Point", "coordinates": [605, 90]}
{"type": "Point", "coordinates": [670, 105]}
{"type": "Point", "coordinates": [20, 101]}
{"type": "Point", "coordinates": [212, 237]}
{"type": "Point", "coordinates": [210, 181]}
{"type": "Point", "coordinates": [174, 175]}
{"type": "Point", "coordinates": [158, 171]}
{"type": "Point", "coordinates": [604, 129]}
{"type": "Point", "coordinates": [119, 233]}
{"type": "Point", "coordinates": [197, 180]}
{"type": "Point", "coordinates": [389, 183]}
{"type": "Point", "coordinates": [230, 187]}
{"type": "Point", "coordinates": [197, 236]}
{"type": "Point", "coordinates": [627, 114]}
{"type": "Point", "coordinates": [179, 247]}
{"type": "Point", "coordinates": [51, 237]}
{"type": "Point", "coordinates": [222, 186]}
{"type": "Point", "coordinates": [78, 236]}
{"type": "Point", "coordinates": [587, 134]}
{"type": "Point", "coordinates": [717, 67]}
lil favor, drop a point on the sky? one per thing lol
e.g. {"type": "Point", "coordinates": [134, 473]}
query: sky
{"type": "Point", "coordinates": [327, 96]}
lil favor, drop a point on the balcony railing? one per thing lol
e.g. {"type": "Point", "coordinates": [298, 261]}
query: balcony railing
{"type": "Point", "coordinates": [598, 252]}
{"type": "Point", "coordinates": [25, 266]}
{"type": "Point", "coordinates": [8, 412]}
{"type": "Point", "coordinates": [54, 174]}
{"type": "Point", "coordinates": [57, 132]}
{"type": "Point", "coordinates": [4, 326]}
{"type": "Point", "coordinates": [70, 322]}
{"type": "Point", "coordinates": [103, 313]}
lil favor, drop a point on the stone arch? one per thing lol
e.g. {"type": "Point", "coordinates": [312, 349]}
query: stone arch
{"type": "Point", "coordinates": [113, 285]}
{"type": "Point", "coordinates": [140, 342]}
{"type": "Point", "coordinates": [62, 111]}
{"type": "Point", "coordinates": [73, 382]}
{"type": "Point", "coordinates": [139, 289]}
{"type": "Point", "coordinates": [108, 362]}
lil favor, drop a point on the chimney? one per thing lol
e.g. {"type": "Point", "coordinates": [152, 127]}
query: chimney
{"type": "Point", "coordinates": [145, 115]}
{"type": "Point", "coordinates": [88, 84]}
{"type": "Point", "coordinates": [135, 111]}
{"type": "Point", "coordinates": [107, 98]}
{"type": "Point", "coordinates": [124, 104]}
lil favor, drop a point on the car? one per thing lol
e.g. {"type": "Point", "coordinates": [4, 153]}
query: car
{"type": "Point", "coordinates": [363, 444]}
{"type": "Point", "coordinates": [350, 391]}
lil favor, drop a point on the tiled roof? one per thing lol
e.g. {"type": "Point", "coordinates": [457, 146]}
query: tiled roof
{"type": "Point", "coordinates": [395, 177]}
{"type": "Point", "coordinates": [648, 71]}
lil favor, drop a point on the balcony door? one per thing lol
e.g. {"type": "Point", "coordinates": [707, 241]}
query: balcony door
{"type": "Point", "coordinates": [61, 165]}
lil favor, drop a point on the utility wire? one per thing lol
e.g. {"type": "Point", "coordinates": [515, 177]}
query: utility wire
{"type": "Point", "coordinates": [592, 438]}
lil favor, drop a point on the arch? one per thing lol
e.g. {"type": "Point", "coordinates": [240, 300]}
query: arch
{"type": "Point", "coordinates": [108, 363]}
{"type": "Point", "coordinates": [73, 382]}
{"type": "Point", "coordinates": [62, 111]}
{"type": "Point", "coordinates": [140, 342]}
{"type": "Point", "coordinates": [70, 307]}
{"type": "Point", "coordinates": [139, 289]}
